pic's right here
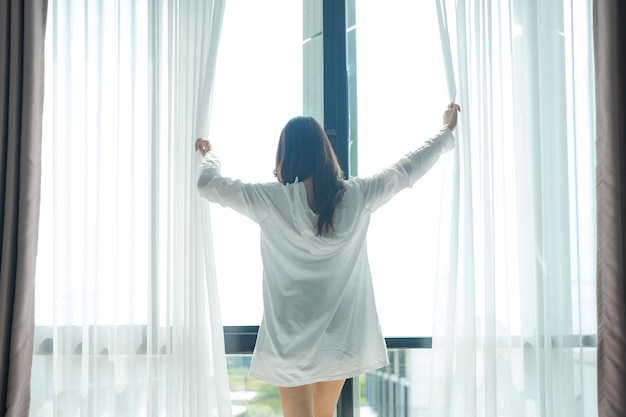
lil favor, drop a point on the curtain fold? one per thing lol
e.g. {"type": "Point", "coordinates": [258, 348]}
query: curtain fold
{"type": "Point", "coordinates": [22, 30]}
{"type": "Point", "coordinates": [192, 44]}
{"type": "Point", "coordinates": [127, 319]}
{"type": "Point", "coordinates": [512, 334]}
{"type": "Point", "coordinates": [610, 94]}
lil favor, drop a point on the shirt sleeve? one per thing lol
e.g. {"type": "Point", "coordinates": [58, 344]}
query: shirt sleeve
{"type": "Point", "coordinates": [379, 188]}
{"type": "Point", "coordinates": [251, 200]}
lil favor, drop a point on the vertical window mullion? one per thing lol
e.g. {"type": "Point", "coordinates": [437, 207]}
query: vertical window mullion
{"type": "Point", "coordinates": [336, 119]}
{"type": "Point", "coordinates": [336, 122]}
{"type": "Point", "coordinates": [349, 398]}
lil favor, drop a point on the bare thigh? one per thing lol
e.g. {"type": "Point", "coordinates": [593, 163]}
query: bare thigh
{"type": "Point", "coordinates": [311, 400]}
{"type": "Point", "coordinates": [297, 401]}
{"type": "Point", "coordinates": [325, 397]}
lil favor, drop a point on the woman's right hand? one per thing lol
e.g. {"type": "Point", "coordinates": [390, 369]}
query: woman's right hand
{"type": "Point", "coordinates": [450, 116]}
{"type": "Point", "coordinates": [203, 146]}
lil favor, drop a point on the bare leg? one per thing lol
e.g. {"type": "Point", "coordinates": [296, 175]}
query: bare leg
{"type": "Point", "coordinates": [312, 400]}
{"type": "Point", "coordinates": [325, 397]}
{"type": "Point", "coordinates": [297, 401]}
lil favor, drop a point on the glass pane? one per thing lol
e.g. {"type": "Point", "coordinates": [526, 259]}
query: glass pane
{"type": "Point", "coordinates": [258, 87]}
{"type": "Point", "coordinates": [396, 66]}
{"type": "Point", "coordinates": [250, 397]}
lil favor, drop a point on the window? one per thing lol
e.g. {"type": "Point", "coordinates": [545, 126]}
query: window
{"type": "Point", "coordinates": [399, 89]}
{"type": "Point", "coordinates": [252, 76]}
{"type": "Point", "coordinates": [372, 74]}
{"type": "Point", "coordinates": [258, 87]}
{"type": "Point", "coordinates": [392, 95]}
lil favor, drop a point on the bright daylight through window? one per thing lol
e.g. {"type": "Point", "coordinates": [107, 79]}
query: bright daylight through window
{"type": "Point", "coordinates": [484, 271]}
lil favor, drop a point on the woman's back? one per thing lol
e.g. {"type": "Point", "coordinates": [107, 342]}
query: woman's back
{"type": "Point", "coordinates": [320, 321]}
{"type": "Point", "coordinates": [319, 318]}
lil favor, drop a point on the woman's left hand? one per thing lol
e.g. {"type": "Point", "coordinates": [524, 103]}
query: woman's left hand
{"type": "Point", "coordinates": [203, 146]}
{"type": "Point", "coordinates": [450, 116]}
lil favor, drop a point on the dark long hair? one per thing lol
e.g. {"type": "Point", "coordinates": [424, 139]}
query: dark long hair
{"type": "Point", "coordinates": [304, 151]}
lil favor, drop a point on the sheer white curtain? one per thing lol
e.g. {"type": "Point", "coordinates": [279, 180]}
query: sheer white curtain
{"type": "Point", "coordinates": [128, 320]}
{"type": "Point", "coordinates": [514, 331]}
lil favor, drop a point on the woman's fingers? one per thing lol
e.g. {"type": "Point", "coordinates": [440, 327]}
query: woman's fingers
{"type": "Point", "coordinates": [203, 146]}
{"type": "Point", "coordinates": [454, 106]}
{"type": "Point", "coordinates": [450, 115]}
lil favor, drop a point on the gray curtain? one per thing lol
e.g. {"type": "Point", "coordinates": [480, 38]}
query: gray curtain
{"type": "Point", "coordinates": [22, 29]}
{"type": "Point", "coordinates": [609, 27]}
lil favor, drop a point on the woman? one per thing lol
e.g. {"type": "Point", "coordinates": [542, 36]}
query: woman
{"type": "Point", "coordinates": [320, 324]}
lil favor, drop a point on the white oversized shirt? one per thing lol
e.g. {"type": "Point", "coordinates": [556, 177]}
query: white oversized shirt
{"type": "Point", "coordinates": [319, 315]}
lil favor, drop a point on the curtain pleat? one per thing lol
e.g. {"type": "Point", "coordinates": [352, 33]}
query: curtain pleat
{"type": "Point", "coordinates": [22, 30]}
{"type": "Point", "coordinates": [128, 315]}
{"type": "Point", "coordinates": [515, 264]}
{"type": "Point", "coordinates": [610, 66]}
{"type": "Point", "coordinates": [199, 355]}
